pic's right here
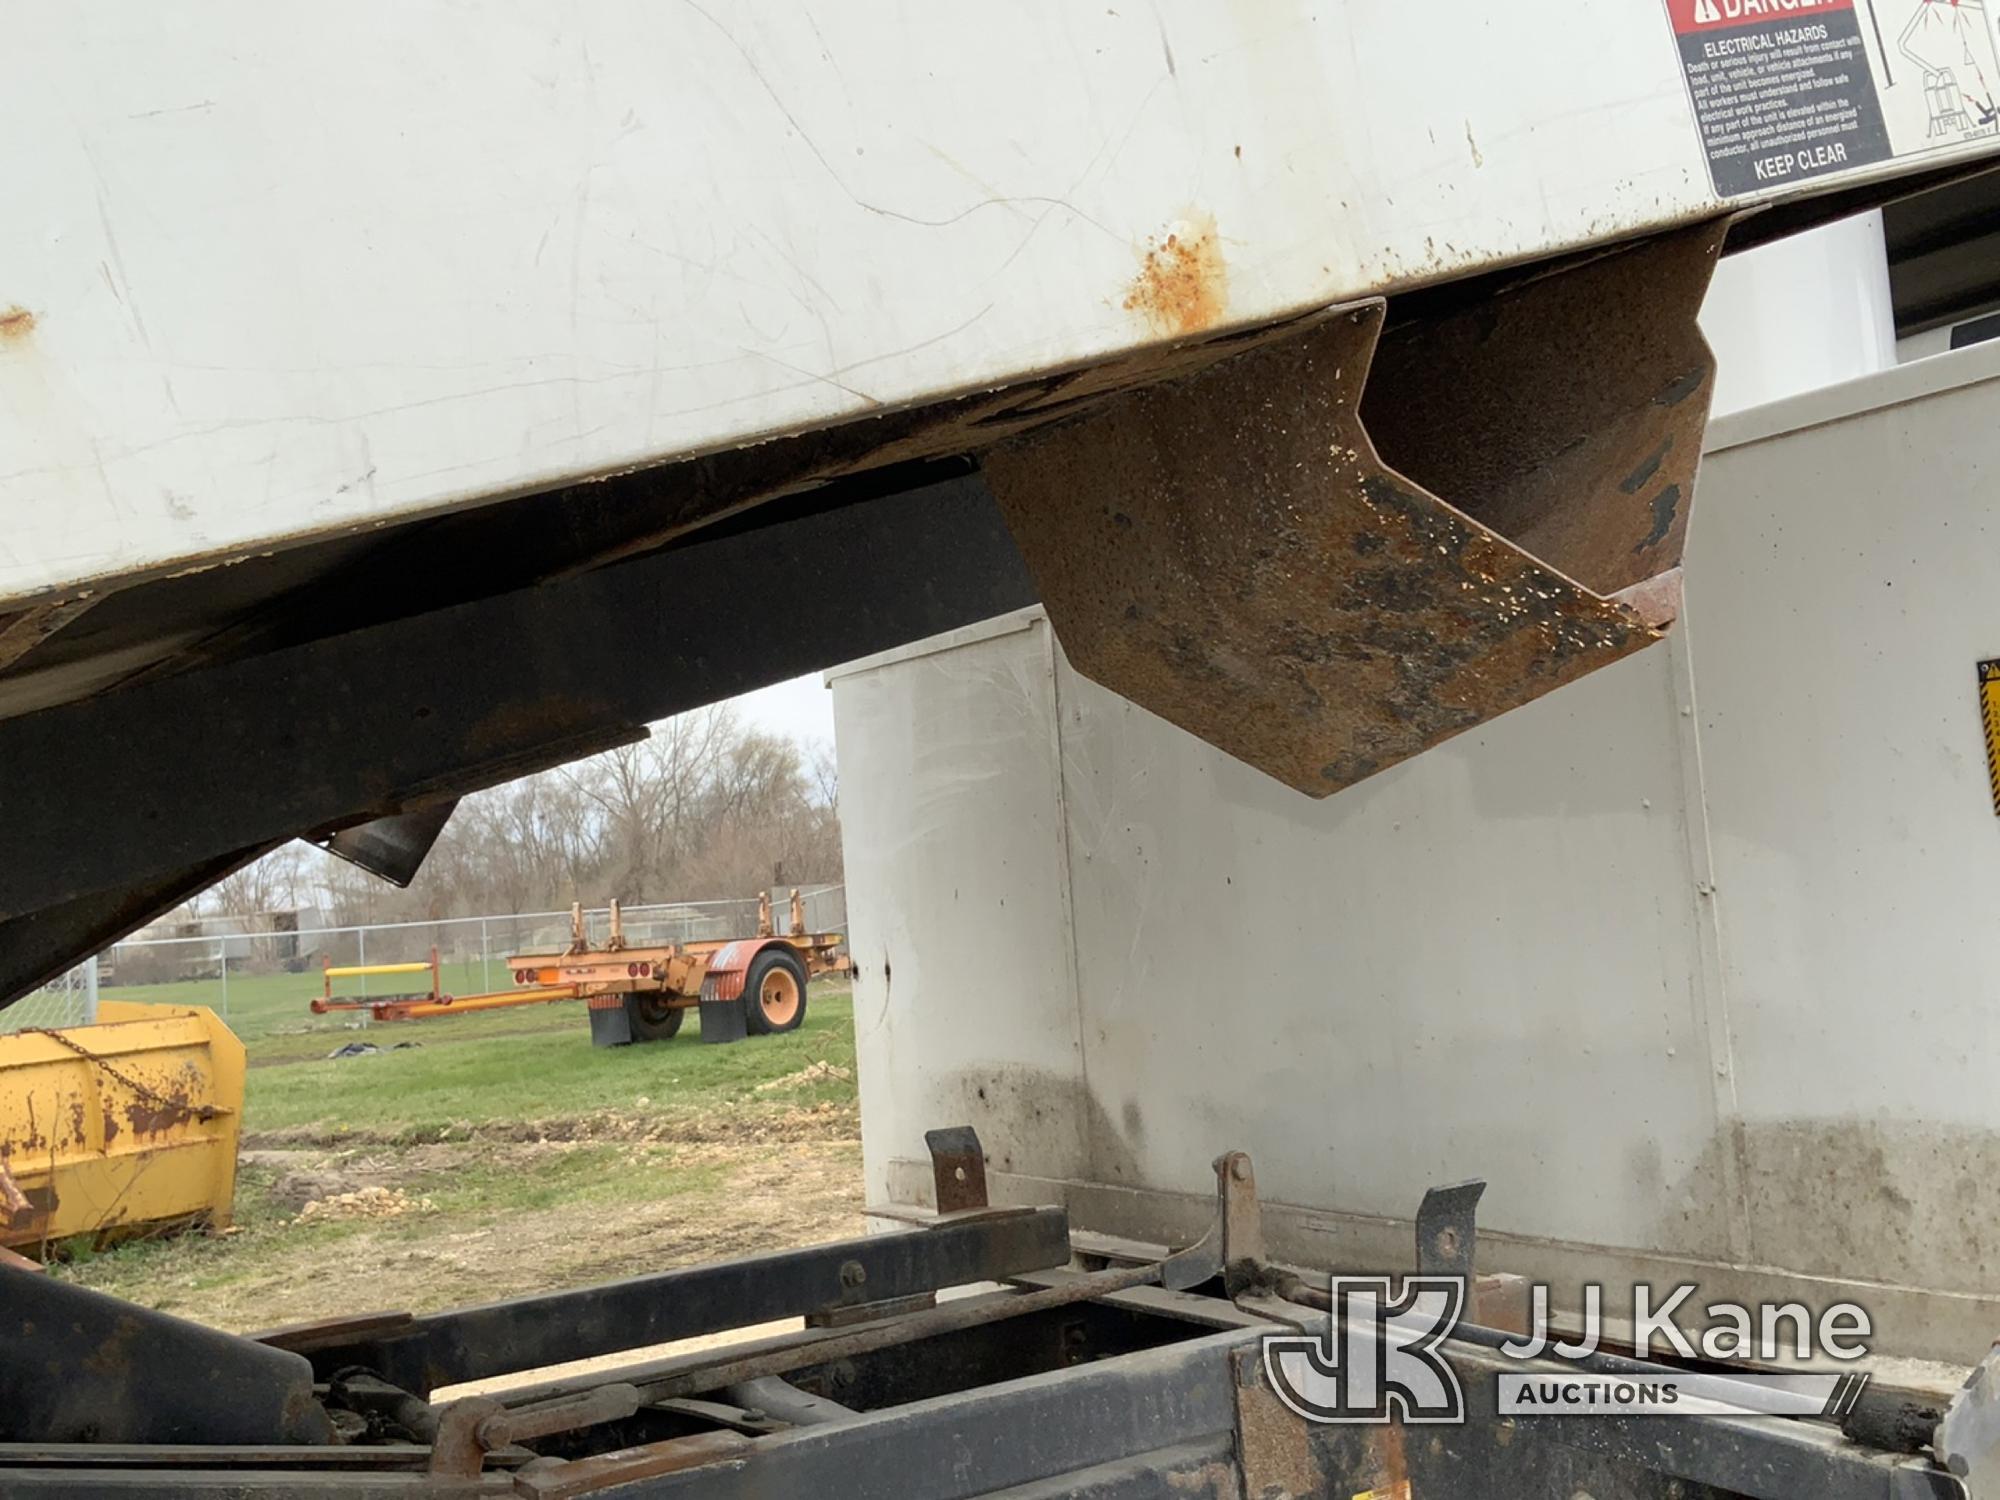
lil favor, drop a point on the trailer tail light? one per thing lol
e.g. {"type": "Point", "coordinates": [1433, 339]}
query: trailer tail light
{"type": "Point", "coordinates": [632, 971]}
{"type": "Point", "coordinates": [645, 970]}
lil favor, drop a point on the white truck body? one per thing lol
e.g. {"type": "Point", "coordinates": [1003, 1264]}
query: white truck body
{"type": "Point", "coordinates": [274, 273]}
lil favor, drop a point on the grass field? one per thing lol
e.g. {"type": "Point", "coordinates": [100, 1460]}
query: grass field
{"type": "Point", "coordinates": [255, 1005]}
{"type": "Point", "coordinates": [502, 1153]}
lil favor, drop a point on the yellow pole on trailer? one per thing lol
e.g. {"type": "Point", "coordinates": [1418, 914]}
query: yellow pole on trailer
{"type": "Point", "coordinates": [419, 1010]}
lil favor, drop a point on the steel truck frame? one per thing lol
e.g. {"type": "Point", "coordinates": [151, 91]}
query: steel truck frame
{"type": "Point", "coordinates": [1099, 1368]}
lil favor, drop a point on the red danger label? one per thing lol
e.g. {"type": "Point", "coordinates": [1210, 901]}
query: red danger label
{"type": "Point", "coordinates": [1691, 16]}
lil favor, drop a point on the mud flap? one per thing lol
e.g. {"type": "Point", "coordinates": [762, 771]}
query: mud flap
{"type": "Point", "coordinates": [722, 1020]}
{"type": "Point", "coordinates": [609, 1025]}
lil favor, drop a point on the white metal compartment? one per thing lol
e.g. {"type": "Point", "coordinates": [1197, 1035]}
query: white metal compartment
{"type": "Point", "coordinates": [1690, 959]}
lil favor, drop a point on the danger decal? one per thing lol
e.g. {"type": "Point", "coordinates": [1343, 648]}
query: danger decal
{"type": "Point", "coordinates": [1989, 723]}
{"type": "Point", "coordinates": [1788, 90]}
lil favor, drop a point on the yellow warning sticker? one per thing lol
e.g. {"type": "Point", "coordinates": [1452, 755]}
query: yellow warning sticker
{"type": "Point", "coordinates": [1989, 720]}
{"type": "Point", "coordinates": [1400, 1490]}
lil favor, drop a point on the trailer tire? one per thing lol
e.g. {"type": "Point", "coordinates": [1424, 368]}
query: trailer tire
{"type": "Point", "coordinates": [774, 992]}
{"type": "Point", "coordinates": [653, 1020]}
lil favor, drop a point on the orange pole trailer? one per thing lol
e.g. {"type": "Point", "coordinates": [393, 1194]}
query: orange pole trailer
{"type": "Point", "coordinates": [649, 988]}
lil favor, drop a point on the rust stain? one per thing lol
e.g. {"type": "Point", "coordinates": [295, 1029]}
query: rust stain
{"type": "Point", "coordinates": [1273, 1446]}
{"type": "Point", "coordinates": [1392, 1473]}
{"type": "Point", "coordinates": [113, 1358]}
{"type": "Point", "coordinates": [151, 1117]}
{"type": "Point", "coordinates": [1183, 283]}
{"type": "Point", "coordinates": [16, 323]}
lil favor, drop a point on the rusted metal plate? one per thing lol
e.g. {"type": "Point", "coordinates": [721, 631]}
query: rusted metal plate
{"type": "Point", "coordinates": [1230, 550]}
{"type": "Point", "coordinates": [1448, 1230]}
{"type": "Point", "coordinates": [1273, 1444]}
{"type": "Point", "coordinates": [958, 1168]}
{"type": "Point", "coordinates": [1565, 409]}
{"type": "Point", "coordinates": [1284, 1457]}
{"type": "Point", "coordinates": [605, 1471]}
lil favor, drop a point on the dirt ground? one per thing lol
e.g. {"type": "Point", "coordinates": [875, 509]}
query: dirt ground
{"type": "Point", "coordinates": [792, 1180]}
{"type": "Point", "coordinates": [493, 1160]}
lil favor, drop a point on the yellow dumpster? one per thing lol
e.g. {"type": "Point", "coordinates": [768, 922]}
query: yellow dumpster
{"type": "Point", "coordinates": [127, 1125]}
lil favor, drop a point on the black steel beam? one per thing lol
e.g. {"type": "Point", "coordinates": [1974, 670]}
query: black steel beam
{"type": "Point", "coordinates": [526, 1332]}
{"type": "Point", "coordinates": [39, 945]}
{"type": "Point", "coordinates": [1053, 1428]}
{"type": "Point", "coordinates": [116, 793]}
{"type": "Point", "coordinates": [81, 1366]}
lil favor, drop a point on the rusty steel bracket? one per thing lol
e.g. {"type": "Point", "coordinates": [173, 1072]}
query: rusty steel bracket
{"type": "Point", "coordinates": [470, 1430]}
{"type": "Point", "coordinates": [1447, 1234]}
{"type": "Point", "coordinates": [1234, 1239]}
{"type": "Point", "coordinates": [958, 1168]}
{"type": "Point", "coordinates": [1446, 1230]}
{"type": "Point", "coordinates": [456, 1451]}
{"type": "Point", "coordinates": [1388, 524]}
{"type": "Point", "coordinates": [1241, 1218]}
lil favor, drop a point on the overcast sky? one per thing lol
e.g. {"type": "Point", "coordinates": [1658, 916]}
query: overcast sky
{"type": "Point", "coordinates": [800, 708]}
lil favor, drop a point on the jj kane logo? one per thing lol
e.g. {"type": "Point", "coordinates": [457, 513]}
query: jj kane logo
{"type": "Point", "coordinates": [1382, 1358]}
{"type": "Point", "coordinates": [1379, 1360]}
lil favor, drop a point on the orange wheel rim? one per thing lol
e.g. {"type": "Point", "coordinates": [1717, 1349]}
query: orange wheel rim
{"type": "Point", "coordinates": [779, 995]}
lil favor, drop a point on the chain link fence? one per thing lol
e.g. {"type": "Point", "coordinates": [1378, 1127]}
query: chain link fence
{"type": "Point", "coordinates": [260, 981]}
{"type": "Point", "coordinates": [68, 1001]}
{"type": "Point", "coordinates": [478, 944]}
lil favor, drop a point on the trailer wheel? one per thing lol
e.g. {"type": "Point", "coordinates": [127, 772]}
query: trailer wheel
{"type": "Point", "coordinates": [653, 1020]}
{"type": "Point", "coordinates": [774, 992]}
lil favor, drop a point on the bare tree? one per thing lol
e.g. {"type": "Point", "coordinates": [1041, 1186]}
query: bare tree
{"type": "Point", "coordinates": [702, 808]}
{"type": "Point", "coordinates": [266, 885]}
{"type": "Point", "coordinates": [823, 770]}
{"type": "Point", "coordinates": [646, 797]}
